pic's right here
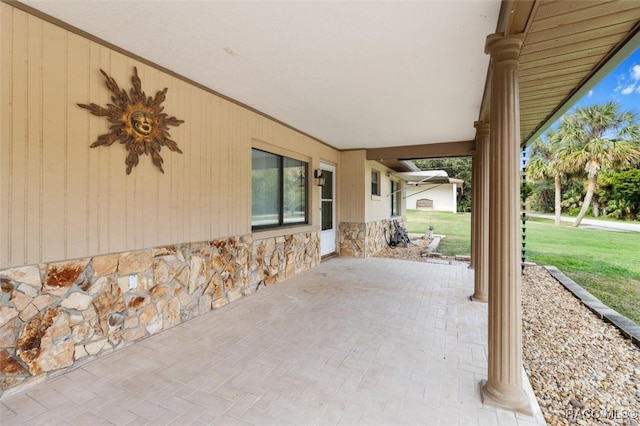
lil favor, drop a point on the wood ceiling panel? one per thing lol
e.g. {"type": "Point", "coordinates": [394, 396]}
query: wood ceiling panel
{"type": "Point", "coordinates": [533, 106]}
{"type": "Point", "coordinates": [550, 49]}
{"type": "Point", "coordinates": [532, 116]}
{"type": "Point", "coordinates": [551, 8]}
{"type": "Point", "coordinates": [577, 57]}
{"type": "Point", "coordinates": [575, 33]}
{"type": "Point", "coordinates": [532, 119]}
{"type": "Point", "coordinates": [533, 86]}
{"type": "Point", "coordinates": [541, 67]}
{"type": "Point", "coordinates": [557, 14]}
{"type": "Point", "coordinates": [559, 89]}
{"type": "Point", "coordinates": [542, 96]}
{"type": "Point", "coordinates": [542, 104]}
{"type": "Point", "coordinates": [527, 128]}
{"type": "Point", "coordinates": [559, 73]}
{"type": "Point", "coordinates": [534, 112]}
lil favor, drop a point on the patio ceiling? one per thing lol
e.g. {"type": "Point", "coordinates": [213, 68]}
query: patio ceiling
{"type": "Point", "coordinates": [400, 79]}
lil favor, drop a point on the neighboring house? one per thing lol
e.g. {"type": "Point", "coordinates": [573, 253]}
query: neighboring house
{"type": "Point", "coordinates": [296, 116]}
{"type": "Point", "coordinates": [431, 190]}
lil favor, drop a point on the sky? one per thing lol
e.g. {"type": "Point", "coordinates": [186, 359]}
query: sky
{"type": "Point", "coordinates": [621, 85]}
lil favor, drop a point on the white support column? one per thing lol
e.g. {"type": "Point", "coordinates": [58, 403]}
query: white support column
{"type": "Point", "coordinates": [480, 209]}
{"type": "Point", "coordinates": [504, 387]}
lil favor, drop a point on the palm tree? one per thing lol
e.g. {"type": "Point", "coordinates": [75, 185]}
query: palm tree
{"type": "Point", "coordinates": [545, 163]}
{"type": "Point", "coordinates": [595, 137]}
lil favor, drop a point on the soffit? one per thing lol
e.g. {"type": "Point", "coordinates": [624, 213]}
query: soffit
{"type": "Point", "coordinates": [566, 44]}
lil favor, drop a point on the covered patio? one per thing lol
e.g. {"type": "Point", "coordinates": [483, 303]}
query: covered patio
{"type": "Point", "coordinates": [104, 270]}
{"type": "Point", "coordinates": [353, 341]}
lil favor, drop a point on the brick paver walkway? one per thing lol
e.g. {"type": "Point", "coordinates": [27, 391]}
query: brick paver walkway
{"type": "Point", "coordinates": [353, 341]}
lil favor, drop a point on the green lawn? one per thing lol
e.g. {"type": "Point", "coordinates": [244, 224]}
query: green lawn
{"type": "Point", "coordinates": [456, 228]}
{"type": "Point", "coordinates": [603, 262]}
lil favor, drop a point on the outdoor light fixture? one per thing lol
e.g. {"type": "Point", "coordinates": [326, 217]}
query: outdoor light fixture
{"type": "Point", "coordinates": [319, 177]}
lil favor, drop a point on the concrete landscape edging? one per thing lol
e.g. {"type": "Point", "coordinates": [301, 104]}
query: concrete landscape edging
{"type": "Point", "coordinates": [627, 327]}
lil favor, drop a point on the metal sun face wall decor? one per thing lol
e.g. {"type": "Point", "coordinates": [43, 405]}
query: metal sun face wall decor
{"type": "Point", "coordinates": [136, 121]}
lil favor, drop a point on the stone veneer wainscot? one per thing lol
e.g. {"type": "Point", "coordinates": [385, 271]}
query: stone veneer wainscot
{"type": "Point", "coordinates": [57, 315]}
{"type": "Point", "coordinates": [357, 239]}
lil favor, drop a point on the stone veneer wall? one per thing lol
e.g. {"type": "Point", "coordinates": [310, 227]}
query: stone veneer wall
{"type": "Point", "coordinates": [357, 239]}
{"type": "Point", "coordinates": [351, 239]}
{"type": "Point", "coordinates": [58, 315]}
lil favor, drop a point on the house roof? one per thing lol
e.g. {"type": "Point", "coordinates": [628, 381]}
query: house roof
{"type": "Point", "coordinates": [401, 79]}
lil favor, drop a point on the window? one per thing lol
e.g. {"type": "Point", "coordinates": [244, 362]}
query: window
{"type": "Point", "coordinates": [375, 182]}
{"type": "Point", "coordinates": [396, 198]}
{"type": "Point", "coordinates": [278, 190]}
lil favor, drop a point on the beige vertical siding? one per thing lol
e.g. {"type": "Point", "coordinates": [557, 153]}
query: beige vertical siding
{"type": "Point", "coordinates": [356, 202]}
{"type": "Point", "coordinates": [352, 189]}
{"type": "Point", "coordinates": [63, 200]}
{"type": "Point", "coordinates": [377, 207]}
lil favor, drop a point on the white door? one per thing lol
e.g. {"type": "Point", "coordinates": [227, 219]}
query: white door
{"type": "Point", "coordinates": [328, 210]}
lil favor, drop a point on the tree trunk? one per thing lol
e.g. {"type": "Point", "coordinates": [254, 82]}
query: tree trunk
{"type": "Point", "coordinates": [557, 180]}
{"type": "Point", "coordinates": [591, 188]}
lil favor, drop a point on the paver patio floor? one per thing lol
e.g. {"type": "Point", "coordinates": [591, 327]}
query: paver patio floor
{"type": "Point", "coordinates": [353, 341]}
